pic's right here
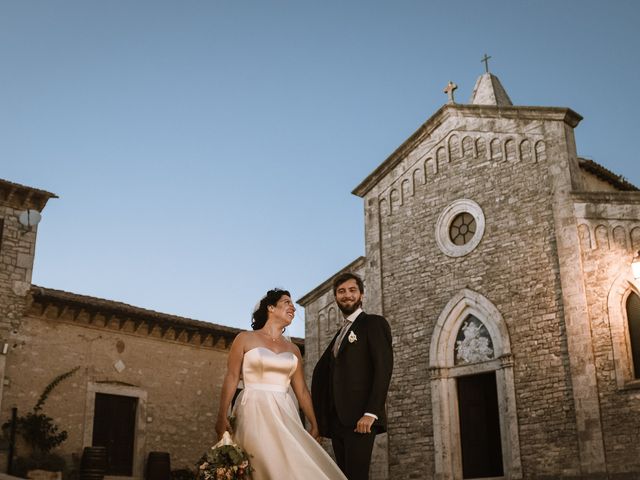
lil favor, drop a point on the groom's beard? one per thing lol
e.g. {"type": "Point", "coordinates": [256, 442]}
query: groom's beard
{"type": "Point", "coordinates": [349, 309]}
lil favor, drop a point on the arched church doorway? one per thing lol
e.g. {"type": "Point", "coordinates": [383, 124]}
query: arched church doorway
{"type": "Point", "coordinates": [473, 396]}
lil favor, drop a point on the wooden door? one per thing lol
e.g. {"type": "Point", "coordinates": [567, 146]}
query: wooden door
{"type": "Point", "coordinates": [479, 426]}
{"type": "Point", "coordinates": [114, 427]}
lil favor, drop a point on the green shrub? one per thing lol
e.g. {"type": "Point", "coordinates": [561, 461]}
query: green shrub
{"type": "Point", "coordinates": [41, 434]}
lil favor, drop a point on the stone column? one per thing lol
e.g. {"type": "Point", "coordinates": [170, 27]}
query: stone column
{"type": "Point", "coordinates": [563, 161]}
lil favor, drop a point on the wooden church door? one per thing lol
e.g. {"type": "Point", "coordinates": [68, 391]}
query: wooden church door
{"type": "Point", "coordinates": [114, 427]}
{"type": "Point", "coordinates": [479, 426]}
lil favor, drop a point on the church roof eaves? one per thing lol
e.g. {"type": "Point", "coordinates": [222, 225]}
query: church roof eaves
{"type": "Point", "coordinates": [22, 196]}
{"type": "Point", "coordinates": [320, 289]}
{"type": "Point", "coordinates": [48, 296]}
{"type": "Point", "coordinates": [618, 181]}
{"type": "Point", "coordinates": [489, 111]}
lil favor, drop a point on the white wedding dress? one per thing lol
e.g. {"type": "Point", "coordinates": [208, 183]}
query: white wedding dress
{"type": "Point", "coordinates": [268, 425]}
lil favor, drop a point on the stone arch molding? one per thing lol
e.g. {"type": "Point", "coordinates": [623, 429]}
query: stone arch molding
{"type": "Point", "coordinates": [622, 287]}
{"type": "Point", "coordinates": [443, 372]}
{"type": "Point", "coordinates": [465, 303]}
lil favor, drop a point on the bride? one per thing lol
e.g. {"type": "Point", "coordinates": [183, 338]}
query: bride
{"type": "Point", "coordinates": [268, 425]}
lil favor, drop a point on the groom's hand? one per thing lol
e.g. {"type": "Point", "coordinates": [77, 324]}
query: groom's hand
{"type": "Point", "coordinates": [364, 424]}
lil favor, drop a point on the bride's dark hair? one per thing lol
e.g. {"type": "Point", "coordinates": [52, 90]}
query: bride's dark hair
{"type": "Point", "coordinates": [261, 313]}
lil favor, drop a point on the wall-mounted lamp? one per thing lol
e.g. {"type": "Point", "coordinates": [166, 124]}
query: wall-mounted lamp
{"type": "Point", "coordinates": [635, 266]}
{"type": "Point", "coordinates": [29, 219]}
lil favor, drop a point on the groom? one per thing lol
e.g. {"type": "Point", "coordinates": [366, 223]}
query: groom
{"type": "Point", "coordinates": [351, 380]}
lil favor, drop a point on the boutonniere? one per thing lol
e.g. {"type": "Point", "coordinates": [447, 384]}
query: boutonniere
{"type": "Point", "coordinates": [352, 337]}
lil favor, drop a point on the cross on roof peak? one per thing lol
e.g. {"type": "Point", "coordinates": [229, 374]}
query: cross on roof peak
{"type": "Point", "coordinates": [449, 89]}
{"type": "Point", "coordinates": [485, 59]}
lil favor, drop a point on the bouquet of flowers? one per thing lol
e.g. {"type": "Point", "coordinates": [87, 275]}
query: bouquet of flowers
{"type": "Point", "coordinates": [225, 461]}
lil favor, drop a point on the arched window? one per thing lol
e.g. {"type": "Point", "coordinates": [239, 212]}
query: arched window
{"type": "Point", "coordinates": [633, 319]}
{"type": "Point", "coordinates": [623, 306]}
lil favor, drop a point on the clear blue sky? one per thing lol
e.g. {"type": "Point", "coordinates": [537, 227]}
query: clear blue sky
{"type": "Point", "coordinates": [205, 151]}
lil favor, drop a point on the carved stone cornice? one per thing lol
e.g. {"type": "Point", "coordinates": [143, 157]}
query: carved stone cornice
{"type": "Point", "coordinates": [557, 114]}
{"type": "Point", "coordinates": [58, 305]}
{"type": "Point", "coordinates": [22, 197]}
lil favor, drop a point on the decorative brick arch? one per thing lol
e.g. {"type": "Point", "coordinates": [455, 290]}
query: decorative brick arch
{"type": "Point", "coordinates": [406, 189]}
{"type": "Point", "coordinates": [495, 150]}
{"type": "Point", "coordinates": [584, 233]}
{"type": "Point", "coordinates": [418, 178]}
{"type": "Point", "coordinates": [619, 236]}
{"type": "Point", "coordinates": [510, 150]}
{"type": "Point", "coordinates": [602, 237]}
{"type": "Point", "coordinates": [333, 317]}
{"type": "Point", "coordinates": [430, 168]}
{"type": "Point", "coordinates": [454, 148]}
{"type": "Point", "coordinates": [541, 151]}
{"type": "Point", "coordinates": [441, 158]}
{"type": "Point", "coordinates": [525, 150]}
{"type": "Point", "coordinates": [467, 147]}
{"type": "Point", "coordinates": [322, 322]}
{"type": "Point", "coordinates": [444, 371]}
{"type": "Point", "coordinates": [384, 207]}
{"type": "Point", "coordinates": [481, 148]}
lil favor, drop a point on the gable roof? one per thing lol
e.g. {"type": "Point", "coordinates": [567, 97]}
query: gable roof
{"type": "Point", "coordinates": [484, 111]}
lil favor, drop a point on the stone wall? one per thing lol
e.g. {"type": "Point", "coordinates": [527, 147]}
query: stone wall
{"type": "Point", "coordinates": [17, 250]}
{"type": "Point", "coordinates": [178, 383]}
{"type": "Point", "coordinates": [609, 226]}
{"type": "Point", "coordinates": [515, 267]}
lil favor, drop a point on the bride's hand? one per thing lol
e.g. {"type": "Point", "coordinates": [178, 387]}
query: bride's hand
{"type": "Point", "coordinates": [223, 425]}
{"type": "Point", "coordinates": [315, 433]}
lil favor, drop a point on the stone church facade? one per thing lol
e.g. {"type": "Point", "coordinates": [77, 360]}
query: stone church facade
{"type": "Point", "coordinates": [502, 261]}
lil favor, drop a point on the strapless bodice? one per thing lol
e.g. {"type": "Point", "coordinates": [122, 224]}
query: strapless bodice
{"type": "Point", "coordinates": [267, 370]}
{"type": "Point", "coordinates": [268, 424]}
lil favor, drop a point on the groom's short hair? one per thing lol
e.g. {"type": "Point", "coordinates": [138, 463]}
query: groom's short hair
{"type": "Point", "coordinates": [343, 277]}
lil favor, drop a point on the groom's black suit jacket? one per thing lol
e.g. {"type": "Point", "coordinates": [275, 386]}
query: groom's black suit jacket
{"type": "Point", "coordinates": [357, 380]}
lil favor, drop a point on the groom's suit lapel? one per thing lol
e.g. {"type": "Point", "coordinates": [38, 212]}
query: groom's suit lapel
{"type": "Point", "coordinates": [345, 340]}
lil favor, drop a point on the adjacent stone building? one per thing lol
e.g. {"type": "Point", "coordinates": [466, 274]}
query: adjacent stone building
{"type": "Point", "coordinates": [502, 261]}
{"type": "Point", "coordinates": [147, 381]}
